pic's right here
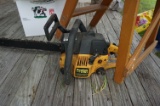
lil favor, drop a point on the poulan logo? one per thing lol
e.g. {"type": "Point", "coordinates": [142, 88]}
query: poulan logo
{"type": "Point", "coordinates": [81, 70]}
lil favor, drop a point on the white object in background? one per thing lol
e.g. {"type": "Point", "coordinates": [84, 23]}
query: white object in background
{"type": "Point", "coordinates": [35, 15]}
{"type": "Point", "coordinates": [117, 5]}
{"type": "Point", "coordinates": [85, 1]}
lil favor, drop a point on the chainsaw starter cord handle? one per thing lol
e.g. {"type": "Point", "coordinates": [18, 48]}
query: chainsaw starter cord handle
{"type": "Point", "coordinates": [69, 52]}
{"type": "Point", "coordinates": [53, 18]}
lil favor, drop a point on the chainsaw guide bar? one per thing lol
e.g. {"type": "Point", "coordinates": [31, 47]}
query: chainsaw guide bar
{"type": "Point", "coordinates": [27, 44]}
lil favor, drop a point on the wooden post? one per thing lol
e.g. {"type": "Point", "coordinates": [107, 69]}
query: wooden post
{"type": "Point", "coordinates": [67, 14]}
{"type": "Point", "coordinates": [100, 13]}
{"type": "Point", "coordinates": [154, 33]}
{"type": "Point", "coordinates": [137, 55]}
{"type": "Point", "coordinates": [127, 29]}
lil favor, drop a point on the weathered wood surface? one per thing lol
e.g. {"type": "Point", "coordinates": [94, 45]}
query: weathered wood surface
{"type": "Point", "coordinates": [10, 24]}
{"type": "Point", "coordinates": [32, 78]}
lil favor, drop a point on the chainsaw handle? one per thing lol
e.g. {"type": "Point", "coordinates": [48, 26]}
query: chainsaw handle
{"type": "Point", "coordinates": [53, 18]}
{"type": "Point", "coordinates": [69, 52]}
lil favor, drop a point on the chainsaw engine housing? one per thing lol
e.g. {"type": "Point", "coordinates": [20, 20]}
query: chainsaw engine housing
{"type": "Point", "coordinates": [90, 54]}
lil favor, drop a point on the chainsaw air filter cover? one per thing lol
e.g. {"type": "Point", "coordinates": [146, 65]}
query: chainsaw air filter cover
{"type": "Point", "coordinates": [88, 43]}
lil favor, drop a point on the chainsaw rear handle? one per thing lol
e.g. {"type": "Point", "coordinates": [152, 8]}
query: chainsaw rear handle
{"type": "Point", "coordinates": [69, 52]}
{"type": "Point", "coordinates": [53, 18]}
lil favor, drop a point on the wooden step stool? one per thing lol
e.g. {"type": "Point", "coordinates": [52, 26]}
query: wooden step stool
{"type": "Point", "coordinates": [124, 65]}
{"type": "Point", "coordinates": [70, 11]}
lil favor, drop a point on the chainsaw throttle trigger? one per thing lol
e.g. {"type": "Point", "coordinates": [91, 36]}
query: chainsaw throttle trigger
{"type": "Point", "coordinates": [92, 58]}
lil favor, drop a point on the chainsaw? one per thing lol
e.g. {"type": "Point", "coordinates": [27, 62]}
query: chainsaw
{"type": "Point", "coordinates": [82, 53]}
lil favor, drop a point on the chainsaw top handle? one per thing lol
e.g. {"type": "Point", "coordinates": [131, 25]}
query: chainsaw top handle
{"type": "Point", "coordinates": [53, 18]}
{"type": "Point", "coordinates": [69, 52]}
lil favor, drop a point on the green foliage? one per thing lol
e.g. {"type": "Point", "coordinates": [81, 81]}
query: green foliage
{"type": "Point", "coordinates": [146, 5]}
{"type": "Point", "coordinates": [158, 54]}
{"type": "Point", "coordinates": [142, 33]}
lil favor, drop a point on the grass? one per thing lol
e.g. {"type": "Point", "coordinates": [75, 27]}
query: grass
{"type": "Point", "coordinates": [146, 5]}
{"type": "Point", "coordinates": [158, 54]}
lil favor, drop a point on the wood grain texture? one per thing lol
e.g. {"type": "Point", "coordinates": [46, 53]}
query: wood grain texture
{"type": "Point", "coordinates": [119, 95]}
{"type": "Point", "coordinates": [88, 9]}
{"type": "Point", "coordinates": [8, 59]}
{"type": "Point", "coordinates": [11, 84]}
{"type": "Point", "coordinates": [12, 30]}
{"type": "Point", "coordinates": [10, 22]}
{"type": "Point", "coordinates": [48, 82]}
{"type": "Point", "coordinates": [147, 71]}
{"type": "Point", "coordinates": [27, 90]}
{"type": "Point", "coordinates": [25, 71]}
{"type": "Point", "coordinates": [128, 25]}
{"type": "Point", "coordinates": [7, 9]}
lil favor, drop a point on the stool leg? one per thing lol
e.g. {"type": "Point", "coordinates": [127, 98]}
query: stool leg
{"type": "Point", "coordinates": [126, 36]}
{"type": "Point", "coordinates": [66, 15]}
{"type": "Point", "coordinates": [154, 33]}
{"type": "Point", "coordinates": [99, 13]}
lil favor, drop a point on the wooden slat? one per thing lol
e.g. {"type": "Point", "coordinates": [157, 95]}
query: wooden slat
{"type": "Point", "coordinates": [142, 43]}
{"type": "Point", "coordinates": [8, 58]}
{"type": "Point", "coordinates": [119, 93]}
{"type": "Point", "coordinates": [7, 9]}
{"type": "Point", "coordinates": [9, 87]}
{"type": "Point", "coordinates": [128, 25]}
{"type": "Point", "coordinates": [12, 30]}
{"type": "Point", "coordinates": [134, 87]}
{"type": "Point", "coordinates": [18, 34]}
{"type": "Point", "coordinates": [157, 60]}
{"type": "Point", "coordinates": [155, 31]}
{"type": "Point", "coordinates": [27, 90]}
{"type": "Point", "coordinates": [140, 58]}
{"type": "Point", "coordinates": [113, 92]}
{"type": "Point", "coordinates": [137, 38]}
{"type": "Point", "coordinates": [68, 10]}
{"type": "Point", "coordinates": [46, 88]}
{"type": "Point", "coordinates": [8, 24]}
{"type": "Point", "coordinates": [88, 9]}
{"type": "Point", "coordinates": [63, 93]}
{"type": "Point", "coordinates": [148, 77]}
{"type": "Point", "coordinates": [101, 98]}
{"type": "Point", "coordinates": [98, 15]}
{"type": "Point", "coordinates": [154, 67]}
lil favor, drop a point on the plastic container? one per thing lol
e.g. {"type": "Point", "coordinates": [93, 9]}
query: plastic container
{"type": "Point", "coordinates": [143, 20]}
